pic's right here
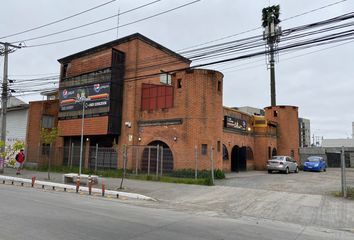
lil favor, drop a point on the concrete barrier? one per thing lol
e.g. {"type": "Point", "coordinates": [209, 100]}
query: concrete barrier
{"type": "Point", "coordinates": [73, 187]}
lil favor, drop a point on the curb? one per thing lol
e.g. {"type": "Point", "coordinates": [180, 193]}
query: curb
{"type": "Point", "coordinates": [81, 189]}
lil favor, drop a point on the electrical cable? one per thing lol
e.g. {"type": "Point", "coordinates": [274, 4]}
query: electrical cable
{"type": "Point", "coordinates": [87, 24]}
{"type": "Point", "coordinates": [57, 21]}
{"type": "Point", "coordinates": [114, 28]}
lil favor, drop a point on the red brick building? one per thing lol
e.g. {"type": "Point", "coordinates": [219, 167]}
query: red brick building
{"type": "Point", "coordinates": [139, 93]}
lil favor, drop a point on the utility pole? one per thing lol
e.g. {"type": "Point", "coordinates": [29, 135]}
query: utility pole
{"type": "Point", "coordinates": [271, 34]}
{"type": "Point", "coordinates": [4, 96]}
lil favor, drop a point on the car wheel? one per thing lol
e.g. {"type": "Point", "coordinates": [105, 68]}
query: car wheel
{"type": "Point", "coordinates": [287, 171]}
{"type": "Point", "coordinates": [297, 170]}
{"type": "Point", "coordinates": [270, 171]}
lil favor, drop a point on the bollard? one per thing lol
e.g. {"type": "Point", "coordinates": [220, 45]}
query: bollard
{"type": "Point", "coordinates": [21, 184]}
{"type": "Point", "coordinates": [12, 182]}
{"type": "Point", "coordinates": [42, 186]}
{"type": "Point", "coordinates": [117, 195]}
{"type": "Point", "coordinates": [77, 184]}
{"type": "Point", "coordinates": [103, 190]}
{"type": "Point", "coordinates": [53, 187]}
{"type": "Point", "coordinates": [89, 184]}
{"type": "Point", "coordinates": [65, 189]}
{"type": "Point", "coordinates": [3, 181]}
{"type": "Point", "coordinates": [33, 181]}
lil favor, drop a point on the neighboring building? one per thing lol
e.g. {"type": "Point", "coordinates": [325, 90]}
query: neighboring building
{"type": "Point", "coordinates": [331, 149]}
{"type": "Point", "coordinates": [251, 110]}
{"type": "Point", "coordinates": [304, 132]}
{"type": "Point", "coordinates": [135, 100]}
{"type": "Point", "coordinates": [337, 143]}
{"type": "Point", "coordinates": [16, 120]}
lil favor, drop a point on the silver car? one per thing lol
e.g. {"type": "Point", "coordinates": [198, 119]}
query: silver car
{"type": "Point", "coordinates": [284, 164]}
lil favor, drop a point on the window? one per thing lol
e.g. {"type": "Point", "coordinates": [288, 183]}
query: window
{"type": "Point", "coordinates": [225, 153]}
{"type": "Point", "coordinates": [179, 83]}
{"type": "Point", "coordinates": [218, 147]}
{"type": "Point", "coordinates": [47, 121]}
{"type": "Point", "coordinates": [219, 86]}
{"type": "Point", "coordinates": [204, 149]}
{"type": "Point", "coordinates": [45, 149]}
{"type": "Point", "coordinates": [292, 153]}
{"type": "Point", "coordinates": [165, 78]}
{"type": "Point", "coordinates": [65, 69]}
{"type": "Point", "coordinates": [275, 113]}
{"type": "Point", "coordinates": [156, 97]}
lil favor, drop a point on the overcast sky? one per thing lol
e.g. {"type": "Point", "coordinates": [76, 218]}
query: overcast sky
{"type": "Point", "coordinates": [321, 83]}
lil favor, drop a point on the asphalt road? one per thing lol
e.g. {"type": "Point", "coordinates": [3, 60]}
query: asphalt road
{"type": "Point", "coordinates": [27, 213]}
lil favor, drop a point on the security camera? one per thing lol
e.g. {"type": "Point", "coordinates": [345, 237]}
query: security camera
{"type": "Point", "coordinates": [128, 124]}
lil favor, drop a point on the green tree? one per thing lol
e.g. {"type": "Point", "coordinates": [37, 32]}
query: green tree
{"type": "Point", "coordinates": [10, 151]}
{"type": "Point", "coordinates": [48, 137]}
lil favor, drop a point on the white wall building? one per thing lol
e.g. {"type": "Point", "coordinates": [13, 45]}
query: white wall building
{"type": "Point", "coordinates": [16, 120]}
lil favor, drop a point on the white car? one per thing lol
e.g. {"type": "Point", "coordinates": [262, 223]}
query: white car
{"type": "Point", "coordinates": [284, 164]}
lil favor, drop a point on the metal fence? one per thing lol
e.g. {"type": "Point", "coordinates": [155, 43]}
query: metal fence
{"type": "Point", "coordinates": [154, 160]}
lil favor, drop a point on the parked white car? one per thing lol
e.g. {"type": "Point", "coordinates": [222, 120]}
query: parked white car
{"type": "Point", "coordinates": [284, 164]}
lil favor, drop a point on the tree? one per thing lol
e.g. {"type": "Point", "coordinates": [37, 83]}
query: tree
{"type": "Point", "coordinates": [10, 152]}
{"type": "Point", "coordinates": [48, 137]}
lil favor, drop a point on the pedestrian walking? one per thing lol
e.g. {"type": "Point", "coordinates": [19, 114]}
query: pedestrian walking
{"type": "Point", "coordinates": [20, 158]}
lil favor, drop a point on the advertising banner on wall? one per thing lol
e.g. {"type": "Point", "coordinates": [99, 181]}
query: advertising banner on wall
{"type": "Point", "coordinates": [95, 96]}
{"type": "Point", "coordinates": [235, 123]}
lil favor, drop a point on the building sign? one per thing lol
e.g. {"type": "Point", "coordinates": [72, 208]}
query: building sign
{"type": "Point", "coordinates": [235, 123]}
{"type": "Point", "coordinates": [96, 95]}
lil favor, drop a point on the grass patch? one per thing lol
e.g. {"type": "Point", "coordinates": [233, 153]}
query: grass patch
{"type": "Point", "coordinates": [179, 176]}
{"type": "Point", "coordinates": [168, 179]}
{"type": "Point", "coordinates": [350, 193]}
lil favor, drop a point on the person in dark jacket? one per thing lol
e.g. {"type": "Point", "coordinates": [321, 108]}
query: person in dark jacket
{"type": "Point", "coordinates": [20, 158]}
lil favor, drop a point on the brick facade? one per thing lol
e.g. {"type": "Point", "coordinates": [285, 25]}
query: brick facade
{"type": "Point", "coordinates": [195, 121]}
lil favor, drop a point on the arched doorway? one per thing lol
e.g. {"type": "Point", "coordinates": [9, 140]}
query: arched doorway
{"type": "Point", "coordinates": [274, 152]}
{"type": "Point", "coordinates": [238, 159]}
{"type": "Point", "coordinates": [149, 157]}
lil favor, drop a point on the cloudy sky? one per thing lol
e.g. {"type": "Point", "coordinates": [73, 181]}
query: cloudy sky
{"type": "Point", "coordinates": [320, 83]}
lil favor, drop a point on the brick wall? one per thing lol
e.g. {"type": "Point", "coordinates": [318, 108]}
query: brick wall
{"type": "Point", "coordinates": [92, 126]}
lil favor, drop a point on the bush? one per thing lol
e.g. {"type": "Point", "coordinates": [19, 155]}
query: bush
{"type": "Point", "coordinates": [190, 173]}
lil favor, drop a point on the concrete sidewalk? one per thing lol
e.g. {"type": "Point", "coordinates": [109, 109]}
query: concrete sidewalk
{"type": "Point", "coordinates": [234, 202]}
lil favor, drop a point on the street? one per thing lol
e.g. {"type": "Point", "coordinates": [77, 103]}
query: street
{"type": "Point", "coordinates": [35, 214]}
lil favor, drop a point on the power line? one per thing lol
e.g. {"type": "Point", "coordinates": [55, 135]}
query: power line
{"type": "Point", "coordinates": [88, 24]}
{"type": "Point", "coordinates": [314, 10]}
{"type": "Point", "coordinates": [318, 41]}
{"type": "Point", "coordinates": [57, 21]}
{"type": "Point", "coordinates": [114, 28]}
{"type": "Point", "coordinates": [257, 28]}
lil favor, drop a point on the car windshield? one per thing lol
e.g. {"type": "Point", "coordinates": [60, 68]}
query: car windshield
{"type": "Point", "coordinates": [313, 159]}
{"type": "Point", "coordinates": [277, 158]}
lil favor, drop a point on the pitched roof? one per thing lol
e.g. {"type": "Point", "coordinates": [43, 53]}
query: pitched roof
{"type": "Point", "coordinates": [109, 45]}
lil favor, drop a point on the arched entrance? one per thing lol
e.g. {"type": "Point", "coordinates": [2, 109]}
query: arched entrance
{"type": "Point", "coordinates": [149, 157]}
{"type": "Point", "coordinates": [238, 159]}
{"type": "Point", "coordinates": [274, 152]}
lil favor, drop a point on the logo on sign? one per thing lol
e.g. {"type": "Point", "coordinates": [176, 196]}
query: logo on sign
{"type": "Point", "coordinates": [97, 87]}
{"type": "Point", "coordinates": [65, 93]}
